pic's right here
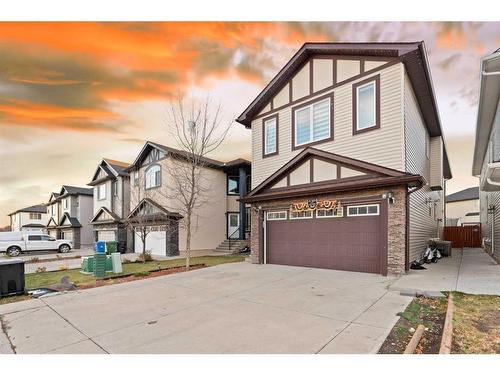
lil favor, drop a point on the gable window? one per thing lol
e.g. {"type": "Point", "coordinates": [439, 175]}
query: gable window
{"type": "Point", "coordinates": [233, 185]}
{"type": "Point", "coordinates": [65, 203]}
{"type": "Point", "coordinates": [312, 123]}
{"type": "Point", "coordinates": [270, 136]}
{"type": "Point", "coordinates": [363, 210]}
{"type": "Point", "coordinates": [153, 176]}
{"type": "Point", "coordinates": [366, 111]}
{"type": "Point", "coordinates": [101, 191]}
{"type": "Point", "coordinates": [114, 187]}
{"type": "Point", "coordinates": [136, 178]}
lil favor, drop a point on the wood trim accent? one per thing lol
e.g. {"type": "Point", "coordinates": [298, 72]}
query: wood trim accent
{"type": "Point", "coordinates": [308, 103]}
{"type": "Point", "coordinates": [311, 76]}
{"type": "Point", "coordinates": [275, 116]}
{"type": "Point", "coordinates": [271, 103]}
{"type": "Point", "coordinates": [288, 179]}
{"type": "Point", "coordinates": [362, 66]}
{"type": "Point", "coordinates": [290, 93]}
{"type": "Point", "coordinates": [334, 73]}
{"type": "Point", "coordinates": [375, 79]}
{"type": "Point", "coordinates": [311, 170]}
{"type": "Point", "coordinates": [339, 169]}
{"type": "Point", "coordinates": [326, 89]}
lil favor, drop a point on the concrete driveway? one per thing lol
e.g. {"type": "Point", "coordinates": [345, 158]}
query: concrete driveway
{"type": "Point", "coordinates": [232, 308]}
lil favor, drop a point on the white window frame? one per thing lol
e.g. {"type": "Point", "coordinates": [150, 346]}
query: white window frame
{"type": "Point", "coordinates": [65, 203]}
{"type": "Point", "coordinates": [374, 84]}
{"type": "Point", "coordinates": [269, 215]}
{"type": "Point", "coordinates": [329, 216]}
{"type": "Point", "coordinates": [156, 171]}
{"type": "Point", "coordinates": [311, 125]}
{"type": "Point", "coordinates": [367, 213]}
{"type": "Point", "coordinates": [101, 195]}
{"type": "Point", "coordinates": [301, 218]}
{"type": "Point", "coordinates": [266, 123]}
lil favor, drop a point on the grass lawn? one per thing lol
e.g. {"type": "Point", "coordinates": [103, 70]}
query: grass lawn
{"type": "Point", "coordinates": [44, 279]}
{"type": "Point", "coordinates": [476, 327]}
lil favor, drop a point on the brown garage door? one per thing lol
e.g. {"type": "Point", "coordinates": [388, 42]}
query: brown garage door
{"type": "Point", "coordinates": [352, 243]}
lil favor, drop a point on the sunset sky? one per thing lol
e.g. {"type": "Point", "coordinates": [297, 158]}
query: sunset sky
{"type": "Point", "coordinates": [72, 93]}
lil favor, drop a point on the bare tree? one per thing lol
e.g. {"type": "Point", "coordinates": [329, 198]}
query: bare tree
{"type": "Point", "coordinates": [198, 129]}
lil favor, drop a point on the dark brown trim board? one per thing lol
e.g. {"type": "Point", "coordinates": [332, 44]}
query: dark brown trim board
{"type": "Point", "coordinates": [355, 86]}
{"type": "Point", "coordinates": [275, 116]}
{"type": "Point", "coordinates": [308, 103]}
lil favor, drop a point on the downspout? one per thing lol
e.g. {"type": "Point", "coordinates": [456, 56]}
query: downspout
{"type": "Point", "coordinates": [407, 220]}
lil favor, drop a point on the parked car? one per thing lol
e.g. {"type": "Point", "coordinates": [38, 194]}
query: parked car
{"type": "Point", "coordinates": [16, 243]}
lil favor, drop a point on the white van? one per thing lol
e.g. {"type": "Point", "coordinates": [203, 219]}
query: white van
{"type": "Point", "coordinates": [16, 243]}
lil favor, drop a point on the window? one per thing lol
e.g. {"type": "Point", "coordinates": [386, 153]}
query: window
{"type": "Point", "coordinates": [35, 216]}
{"type": "Point", "coordinates": [248, 219]}
{"type": "Point", "coordinates": [366, 112]}
{"type": "Point", "coordinates": [53, 209]}
{"type": "Point", "coordinates": [312, 123]}
{"type": "Point", "coordinates": [233, 185]}
{"type": "Point", "coordinates": [276, 215]}
{"type": "Point", "coordinates": [323, 213]}
{"type": "Point", "coordinates": [298, 215]}
{"type": "Point", "coordinates": [65, 203]}
{"type": "Point", "coordinates": [136, 178]}
{"type": "Point", "coordinates": [270, 136]}
{"type": "Point", "coordinates": [153, 176]}
{"type": "Point", "coordinates": [34, 238]}
{"type": "Point", "coordinates": [364, 210]}
{"type": "Point", "coordinates": [114, 187]}
{"type": "Point", "coordinates": [46, 238]}
{"type": "Point", "coordinates": [101, 191]}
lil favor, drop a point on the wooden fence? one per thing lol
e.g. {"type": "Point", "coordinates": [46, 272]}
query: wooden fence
{"type": "Point", "coordinates": [466, 236]}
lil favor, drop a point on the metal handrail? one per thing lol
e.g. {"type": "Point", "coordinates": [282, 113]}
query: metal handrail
{"type": "Point", "coordinates": [237, 229]}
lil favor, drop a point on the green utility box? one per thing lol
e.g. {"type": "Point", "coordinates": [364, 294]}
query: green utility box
{"type": "Point", "coordinates": [111, 247]}
{"type": "Point", "coordinates": [100, 264]}
{"type": "Point", "coordinates": [87, 265]}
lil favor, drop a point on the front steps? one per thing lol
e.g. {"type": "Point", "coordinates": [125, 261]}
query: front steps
{"type": "Point", "coordinates": [236, 246]}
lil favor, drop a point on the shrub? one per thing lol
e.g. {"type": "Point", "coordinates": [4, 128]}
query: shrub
{"type": "Point", "coordinates": [145, 257]}
{"type": "Point", "coordinates": [41, 269]}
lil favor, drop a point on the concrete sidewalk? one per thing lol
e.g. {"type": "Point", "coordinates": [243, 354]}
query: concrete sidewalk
{"type": "Point", "coordinates": [231, 308]}
{"type": "Point", "coordinates": [468, 270]}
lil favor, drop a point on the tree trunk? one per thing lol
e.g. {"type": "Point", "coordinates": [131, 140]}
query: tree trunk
{"type": "Point", "coordinates": [143, 247]}
{"type": "Point", "coordinates": [188, 241]}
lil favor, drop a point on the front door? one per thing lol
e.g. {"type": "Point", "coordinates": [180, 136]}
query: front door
{"type": "Point", "coordinates": [233, 224]}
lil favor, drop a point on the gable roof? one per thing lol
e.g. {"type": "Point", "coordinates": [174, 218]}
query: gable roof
{"type": "Point", "coordinates": [38, 208]}
{"type": "Point", "coordinates": [412, 54]}
{"type": "Point", "coordinates": [72, 221]}
{"type": "Point", "coordinates": [53, 221]}
{"type": "Point", "coordinates": [163, 212]}
{"type": "Point", "coordinates": [182, 154]}
{"type": "Point", "coordinates": [376, 176]}
{"type": "Point", "coordinates": [112, 169]}
{"type": "Point", "coordinates": [464, 195]}
{"type": "Point", "coordinates": [75, 190]}
{"type": "Point", "coordinates": [102, 210]}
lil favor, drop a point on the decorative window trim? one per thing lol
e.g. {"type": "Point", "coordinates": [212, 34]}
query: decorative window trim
{"type": "Point", "coordinates": [367, 208]}
{"type": "Point", "coordinates": [329, 216]}
{"type": "Point", "coordinates": [146, 179]}
{"type": "Point", "coordinates": [271, 216]}
{"type": "Point", "coordinates": [309, 104]}
{"type": "Point", "coordinates": [264, 120]}
{"type": "Point", "coordinates": [376, 80]}
{"type": "Point", "coordinates": [310, 213]}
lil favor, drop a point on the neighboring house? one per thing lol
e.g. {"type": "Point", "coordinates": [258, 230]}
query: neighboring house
{"type": "Point", "coordinates": [29, 218]}
{"type": "Point", "coordinates": [486, 161]}
{"type": "Point", "coordinates": [221, 217]}
{"type": "Point", "coordinates": [348, 159]}
{"type": "Point", "coordinates": [70, 212]}
{"type": "Point", "coordinates": [462, 207]}
{"type": "Point", "coordinates": [111, 186]}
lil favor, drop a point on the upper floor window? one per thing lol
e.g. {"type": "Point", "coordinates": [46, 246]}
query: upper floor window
{"type": "Point", "coordinates": [270, 136]}
{"type": "Point", "coordinates": [312, 122]}
{"type": "Point", "coordinates": [366, 105]}
{"type": "Point", "coordinates": [35, 216]}
{"type": "Point", "coordinates": [65, 203]}
{"type": "Point", "coordinates": [233, 185]}
{"type": "Point", "coordinates": [114, 187]}
{"type": "Point", "coordinates": [101, 191]}
{"type": "Point", "coordinates": [136, 178]}
{"type": "Point", "coordinates": [153, 176]}
{"type": "Point", "coordinates": [53, 209]}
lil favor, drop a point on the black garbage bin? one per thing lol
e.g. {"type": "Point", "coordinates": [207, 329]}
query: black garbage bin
{"type": "Point", "coordinates": [11, 277]}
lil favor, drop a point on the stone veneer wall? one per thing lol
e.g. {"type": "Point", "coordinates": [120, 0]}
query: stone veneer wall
{"type": "Point", "coordinates": [396, 217]}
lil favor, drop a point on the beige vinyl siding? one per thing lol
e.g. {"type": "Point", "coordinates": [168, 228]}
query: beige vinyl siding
{"type": "Point", "coordinates": [300, 83]}
{"type": "Point", "coordinates": [487, 199]}
{"type": "Point", "coordinates": [369, 65]}
{"type": "Point", "coordinates": [436, 162]}
{"type": "Point", "coordinates": [302, 174]}
{"type": "Point", "coordinates": [422, 215]}
{"type": "Point", "coordinates": [323, 74]}
{"type": "Point", "coordinates": [347, 69]}
{"type": "Point", "coordinates": [282, 98]}
{"type": "Point", "coordinates": [324, 171]}
{"type": "Point", "coordinates": [384, 146]}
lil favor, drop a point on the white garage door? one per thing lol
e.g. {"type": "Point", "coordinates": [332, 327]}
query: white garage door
{"type": "Point", "coordinates": [106, 235]}
{"type": "Point", "coordinates": [67, 235]}
{"type": "Point", "coordinates": [156, 241]}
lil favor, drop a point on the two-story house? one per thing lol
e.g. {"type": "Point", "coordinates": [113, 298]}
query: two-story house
{"type": "Point", "coordinates": [31, 218]}
{"type": "Point", "coordinates": [220, 217]}
{"type": "Point", "coordinates": [486, 161]}
{"type": "Point", "coordinates": [348, 159]}
{"type": "Point", "coordinates": [70, 212]}
{"type": "Point", "coordinates": [111, 186]}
